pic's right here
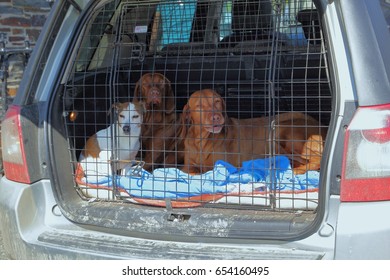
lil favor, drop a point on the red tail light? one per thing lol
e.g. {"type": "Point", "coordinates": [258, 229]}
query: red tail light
{"type": "Point", "coordinates": [14, 158]}
{"type": "Point", "coordinates": [366, 162]}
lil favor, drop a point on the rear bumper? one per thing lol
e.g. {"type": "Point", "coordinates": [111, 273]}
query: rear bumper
{"type": "Point", "coordinates": [363, 231]}
{"type": "Point", "coordinates": [34, 228]}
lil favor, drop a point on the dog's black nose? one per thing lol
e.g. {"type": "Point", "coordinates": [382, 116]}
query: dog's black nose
{"type": "Point", "coordinates": [126, 129]}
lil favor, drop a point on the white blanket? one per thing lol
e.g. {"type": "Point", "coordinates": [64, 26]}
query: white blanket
{"type": "Point", "coordinates": [258, 182]}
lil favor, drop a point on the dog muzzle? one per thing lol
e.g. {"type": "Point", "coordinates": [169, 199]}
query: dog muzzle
{"type": "Point", "coordinates": [214, 129]}
{"type": "Point", "coordinates": [126, 129]}
{"type": "Point", "coordinates": [154, 97]}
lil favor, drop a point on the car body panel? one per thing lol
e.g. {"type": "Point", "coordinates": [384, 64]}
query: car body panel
{"type": "Point", "coordinates": [46, 233]}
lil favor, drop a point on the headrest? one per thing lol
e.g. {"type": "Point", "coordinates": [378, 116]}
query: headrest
{"type": "Point", "coordinates": [137, 19]}
{"type": "Point", "coordinates": [251, 15]}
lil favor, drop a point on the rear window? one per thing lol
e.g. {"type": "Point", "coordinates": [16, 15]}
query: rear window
{"type": "Point", "coordinates": [385, 5]}
{"type": "Point", "coordinates": [143, 26]}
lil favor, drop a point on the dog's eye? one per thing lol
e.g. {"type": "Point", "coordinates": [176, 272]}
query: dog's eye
{"type": "Point", "coordinates": [122, 116]}
{"type": "Point", "coordinates": [135, 116]}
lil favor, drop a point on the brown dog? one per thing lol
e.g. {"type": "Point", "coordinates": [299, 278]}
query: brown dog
{"type": "Point", "coordinates": [210, 135]}
{"type": "Point", "coordinates": [160, 126]}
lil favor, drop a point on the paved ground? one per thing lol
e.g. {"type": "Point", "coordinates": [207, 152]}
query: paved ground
{"type": "Point", "coordinates": [2, 255]}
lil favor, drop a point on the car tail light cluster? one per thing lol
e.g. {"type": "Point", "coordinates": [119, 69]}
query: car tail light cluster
{"type": "Point", "coordinates": [366, 162]}
{"type": "Point", "coordinates": [14, 158]}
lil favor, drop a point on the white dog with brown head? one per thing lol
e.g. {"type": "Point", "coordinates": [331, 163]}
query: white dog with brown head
{"type": "Point", "coordinates": [123, 136]}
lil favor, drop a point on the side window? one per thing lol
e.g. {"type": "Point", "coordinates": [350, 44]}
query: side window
{"type": "Point", "coordinates": [173, 22]}
{"type": "Point", "coordinates": [136, 24]}
{"type": "Point", "coordinates": [239, 17]}
{"type": "Point", "coordinates": [128, 28]}
{"type": "Point", "coordinates": [248, 21]}
{"type": "Point", "coordinates": [295, 17]}
{"type": "Point", "coordinates": [385, 5]}
{"type": "Point", "coordinates": [199, 23]}
{"type": "Point", "coordinates": [96, 40]}
{"type": "Point", "coordinates": [226, 20]}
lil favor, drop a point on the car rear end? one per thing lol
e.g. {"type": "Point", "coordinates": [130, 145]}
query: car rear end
{"type": "Point", "coordinates": [312, 58]}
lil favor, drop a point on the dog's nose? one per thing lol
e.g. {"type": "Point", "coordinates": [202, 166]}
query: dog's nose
{"type": "Point", "coordinates": [155, 91]}
{"type": "Point", "coordinates": [216, 117]}
{"type": "Point", "coordinates": [154, 96]}
{"type": "Point", "coordinates": [126, 129]}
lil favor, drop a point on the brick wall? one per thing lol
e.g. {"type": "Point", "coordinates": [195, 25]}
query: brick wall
{"type": "Point", "coordinates": [22, 19]}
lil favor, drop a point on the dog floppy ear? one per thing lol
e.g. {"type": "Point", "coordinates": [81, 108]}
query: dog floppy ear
{"type": "Point", "coordinates": [138, 91]}
{"type": "Point", "coordinates": [185, 120]}
{"type": "Point", "coordinates": [228, 122]}
{"type": "Point", "coordinates": [168, 97]}
{"type": "Point", "coordinates": [225, 115]}
{"type": "Point", "coordinates": [218, 95]}
{"type": "Point", "coordinates": [114, 109]}
{"type": "Point", "coordinates": [140, 106]}
{"type": "Point", "coordinates": [120, 105]}
{"type": "Point", "coordinates": [224, 109]}
{"type": "Point", "coordinates": [223, 105]}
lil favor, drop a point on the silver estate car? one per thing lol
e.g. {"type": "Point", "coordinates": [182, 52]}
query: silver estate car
{"type": "Point", "coordinates": [193, 129]}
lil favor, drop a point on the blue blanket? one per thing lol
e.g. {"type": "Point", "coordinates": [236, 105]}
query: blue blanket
{"type": "Point", "coordinates": [254, 176]}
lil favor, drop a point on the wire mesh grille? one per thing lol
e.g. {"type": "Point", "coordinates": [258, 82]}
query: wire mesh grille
{"type": "Point", "coordinates": [186, 103]}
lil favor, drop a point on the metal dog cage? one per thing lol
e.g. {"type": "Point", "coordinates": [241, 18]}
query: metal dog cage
{"type": "Point", "coordinates": [263, 57]}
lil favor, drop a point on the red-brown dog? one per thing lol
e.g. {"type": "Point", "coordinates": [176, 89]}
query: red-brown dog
{"type": "Point", "coordinates": [160, 125]}
{"type": "Point", "coordinates": [210, 135]}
